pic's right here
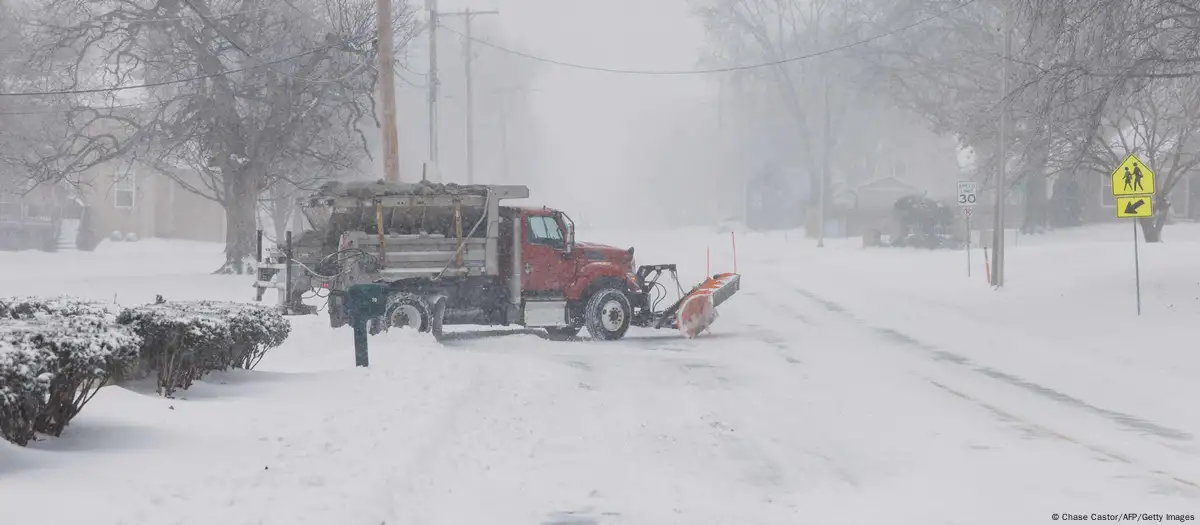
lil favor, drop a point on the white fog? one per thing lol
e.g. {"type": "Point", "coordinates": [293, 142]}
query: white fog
{"type": "Point", "coordinates": [567, 262]}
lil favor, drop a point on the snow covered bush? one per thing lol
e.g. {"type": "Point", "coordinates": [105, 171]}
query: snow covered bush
{"type": "Point", "coordinates": [55, 354]}
{"type": "Point", "coordinates": [26, 308]}
{"type": "Point", "coordinates": [254, 329]}
{"type": "Point", "coordinates": [184, 340]}
{"type": "Point", "coordinates": [24, 381]}
{"type": "Point", "coordinates": [176, 345]}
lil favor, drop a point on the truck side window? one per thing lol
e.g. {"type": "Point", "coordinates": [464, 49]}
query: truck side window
{"type": "Point", "coordinates": [545, 230]}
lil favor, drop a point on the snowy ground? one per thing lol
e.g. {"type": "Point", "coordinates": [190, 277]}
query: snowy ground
{"type": "Point", "coordinates": [842, 385]}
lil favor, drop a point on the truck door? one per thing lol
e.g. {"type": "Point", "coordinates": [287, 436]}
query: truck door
{"type": "Point", "coordinates": [547, 266]}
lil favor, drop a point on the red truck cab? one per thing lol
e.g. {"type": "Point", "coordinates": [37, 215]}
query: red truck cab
{"type": "Point", "coordinates": [555, 264]}
{"type": "Point", "coordinates": [586, 280]}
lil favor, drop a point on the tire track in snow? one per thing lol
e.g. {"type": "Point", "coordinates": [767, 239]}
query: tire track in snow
{"type": "Point", "coordinates": [1036, 429]}
{"type": "Point", "coordinates": [709, 393]}
{"type": "Point", "coordinates": [939, 355]}
{"type": "Point", "coordinates": [1126, 420]}
{"type": "Point", "coordinates": [763, 463]}
{"type": "Point", "coordinates": [708, 381]}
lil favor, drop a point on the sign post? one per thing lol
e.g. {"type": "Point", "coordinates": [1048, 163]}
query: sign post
{"type": "Point", "coordinates": [967, 198]}
{"type": "Point", "coordinates": [967, 215]}
{"type": "Point", "coordinates": [1133, 187]}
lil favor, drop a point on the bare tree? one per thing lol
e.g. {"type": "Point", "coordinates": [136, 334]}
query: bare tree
{"type": "Point", "coordinates": [750, 31]}
{"type": "Point", "coordinates": [1161, 123]}
{"type": "Point", "coordinates": [31, 128]}
{"type": "Point", "coordinates": [946, 65]}
{"type": "Point", "coordinates": [1120, 77]}
{"type": "Point", "coordinates": [243, 94]}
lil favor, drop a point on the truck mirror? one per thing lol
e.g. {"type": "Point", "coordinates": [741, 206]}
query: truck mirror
{"type": "Point", "coordinates": [568, 227]}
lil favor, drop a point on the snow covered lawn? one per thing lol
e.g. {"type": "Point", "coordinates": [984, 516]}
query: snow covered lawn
{"type": "Point", "coordinates": [842, 385]}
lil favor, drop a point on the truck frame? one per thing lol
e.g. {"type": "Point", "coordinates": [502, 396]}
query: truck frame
{"type": "Point", "coordinates": [454, 255]}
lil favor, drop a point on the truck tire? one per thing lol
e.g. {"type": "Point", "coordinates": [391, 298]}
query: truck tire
{"type": "Point", "coordinates": [407, 310]}
{"type": "Point", "coordinates": [608, 314]}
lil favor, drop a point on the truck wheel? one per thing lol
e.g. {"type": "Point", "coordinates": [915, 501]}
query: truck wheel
{"type": "Point", "coordinates": [608, 314]}
{"type": "Point", "coordinates": [407, 310]}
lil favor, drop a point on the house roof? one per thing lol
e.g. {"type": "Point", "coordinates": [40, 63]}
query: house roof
{"type": "Point", "coordinates": [881, 184]}
{"type": "Point", "coordinates": [888, 183]}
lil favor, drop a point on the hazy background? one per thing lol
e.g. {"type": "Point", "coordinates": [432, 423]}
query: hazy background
{"type": "Point", "coordinates": [611, 149]}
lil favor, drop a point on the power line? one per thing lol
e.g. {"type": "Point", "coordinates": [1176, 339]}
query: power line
{"type": "Point", "coordinates": [79, 108]}
{"type": "Point", "coordinates": [103, 19]}
{"type": "Point", "coordinates": [714, 70]}
{"type": "Point", "coordinates": [84, 107]}
{"type": "Point", "coordinates": [166, 82]}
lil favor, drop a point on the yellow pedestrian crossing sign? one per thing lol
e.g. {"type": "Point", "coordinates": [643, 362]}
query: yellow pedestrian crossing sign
{"type": "Point", "coordinates": [1132, 177]}
{"type": "Point", "coordinates": [1135, 207]}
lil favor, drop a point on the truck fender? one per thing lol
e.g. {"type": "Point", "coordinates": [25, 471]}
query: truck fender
{"type": "Point", "coordinates": [599, 274]}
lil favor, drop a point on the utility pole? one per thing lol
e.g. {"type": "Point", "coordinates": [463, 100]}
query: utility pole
{"type": "Point", "coordinates": [387, 87]}
{"type": "Point", "coordinates": [998, 227]}
{"type": "Point", "coordinates": [468, 15]}
{"type": "Point", "coordinates": [433, 81]}
{"type": "Point", "coordinates": [824, 171]}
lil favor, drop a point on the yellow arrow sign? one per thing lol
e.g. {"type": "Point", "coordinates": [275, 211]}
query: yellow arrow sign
{"type": "Point", "coordinates": [1135, 207]}
{"type": "Point", "coordinates": [1132, 177]}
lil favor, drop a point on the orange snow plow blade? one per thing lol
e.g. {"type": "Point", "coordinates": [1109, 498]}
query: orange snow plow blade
{"type": "Point", "coordinates": [698, 309]}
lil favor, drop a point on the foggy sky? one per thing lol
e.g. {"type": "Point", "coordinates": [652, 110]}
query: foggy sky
{"type": "Point", "coordinates": [593, 129]}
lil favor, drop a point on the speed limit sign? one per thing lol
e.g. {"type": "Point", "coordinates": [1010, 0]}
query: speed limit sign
{"type": "Point", "coordinates": [967, 191]}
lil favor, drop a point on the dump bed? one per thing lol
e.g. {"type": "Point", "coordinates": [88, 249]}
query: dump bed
{"type": "Point", "coordinates": [428, 229]}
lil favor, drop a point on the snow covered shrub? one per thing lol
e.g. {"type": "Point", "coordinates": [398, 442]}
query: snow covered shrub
{"type": "Point", "coordinates": [177, 345]}
{"type": "Point", "coordinates": [84, 352]}
{"type": "Point", "coordinates": [27, 308]}
{"type": "Point", "coordinates": [24, 382]}
{"type": "Point", "coordinates": [56, 355]}
{"type": "Point", "coordinates": [923, 223]}
{"type": "Point", "coordinates": [183, 340]}
{"type": "Point", "coordinates": [254, 329]}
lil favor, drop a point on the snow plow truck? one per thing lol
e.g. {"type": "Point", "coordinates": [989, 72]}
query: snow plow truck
{"type": "Point", "coordinates": [453, 255]}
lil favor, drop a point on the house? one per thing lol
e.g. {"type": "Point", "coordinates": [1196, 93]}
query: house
{"type": "Point", "coordinates": [30, 214]}
{"type": "Point", "coordinates": [867, 207]}
{"type": "Point", "coordinates": [130, 198]}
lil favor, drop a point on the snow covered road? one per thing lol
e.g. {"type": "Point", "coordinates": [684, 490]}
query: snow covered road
{"type": "Point", "coordinates": [810, 402]}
